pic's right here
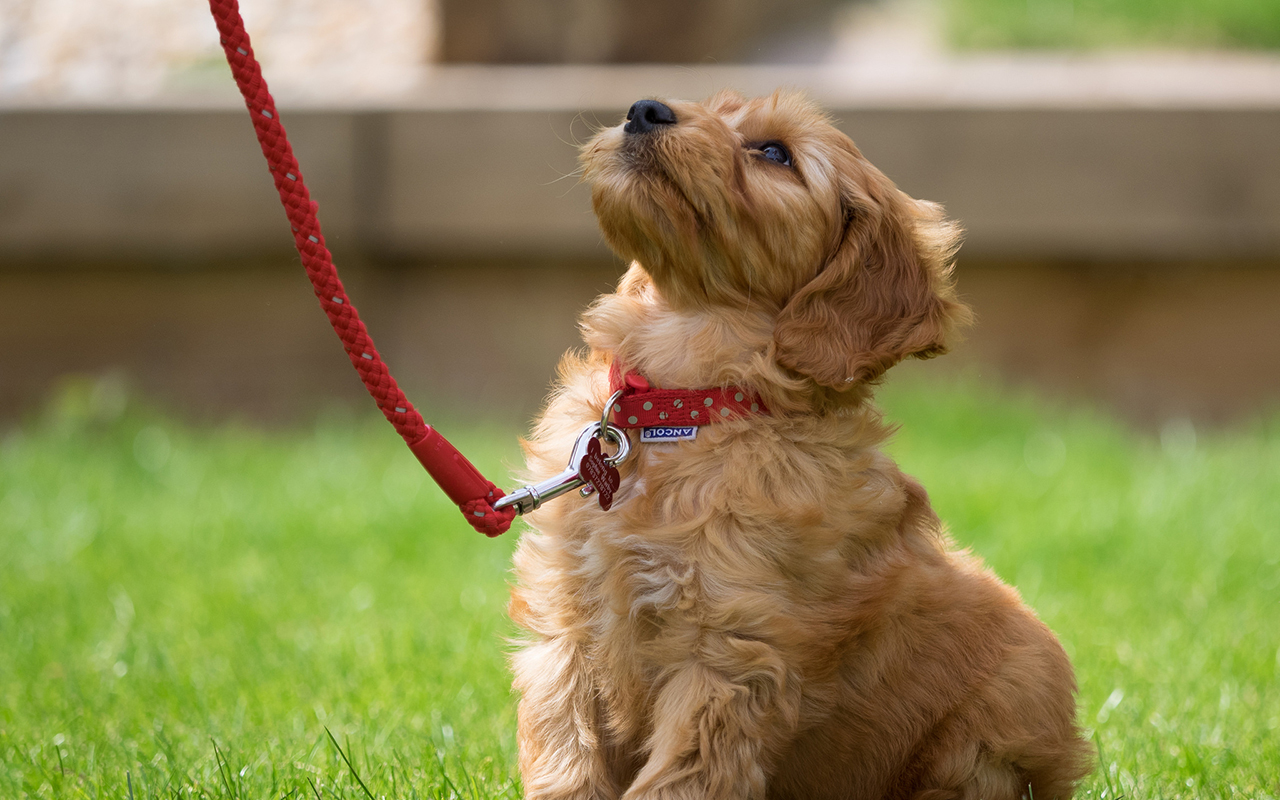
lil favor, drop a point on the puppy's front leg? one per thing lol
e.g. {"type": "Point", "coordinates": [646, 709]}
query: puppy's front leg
{"type": "Point", "coordinates": [714, 730]}
{"type": "Point", "coordinates": [561, 756]}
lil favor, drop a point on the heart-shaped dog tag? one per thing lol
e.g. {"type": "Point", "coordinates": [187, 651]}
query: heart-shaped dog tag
{"type": "Point", "coordinates": [595, 471]}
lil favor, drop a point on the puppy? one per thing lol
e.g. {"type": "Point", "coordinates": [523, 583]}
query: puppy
{"type": "Point", "coordinates": [771, 609]}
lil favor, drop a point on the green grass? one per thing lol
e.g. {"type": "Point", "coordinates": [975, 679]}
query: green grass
{"type": "Point", "coordinates": [1089, 24]}
{"type": "Point", "coordinates": [188, 612]}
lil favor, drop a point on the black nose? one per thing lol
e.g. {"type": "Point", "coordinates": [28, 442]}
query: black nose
{"type": "Point", "coordinates": [647, 115]}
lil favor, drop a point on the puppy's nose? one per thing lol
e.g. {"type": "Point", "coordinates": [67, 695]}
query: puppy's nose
{"type": "Point", "coordinates": [647, 115]}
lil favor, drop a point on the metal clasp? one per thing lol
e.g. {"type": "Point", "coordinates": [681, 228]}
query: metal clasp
{"type": "Point", "coordinates": [530, 497]}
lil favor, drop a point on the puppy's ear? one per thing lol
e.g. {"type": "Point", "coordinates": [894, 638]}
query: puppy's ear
{"type": "Point", "coordinates": [885, 294]}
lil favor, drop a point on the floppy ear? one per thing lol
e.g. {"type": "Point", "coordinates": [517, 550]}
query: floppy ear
{"type": "Point", "coordinates": [885, 294]}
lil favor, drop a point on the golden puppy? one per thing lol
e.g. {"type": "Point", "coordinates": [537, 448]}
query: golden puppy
{"type": "Point", "coordinates": [771, 609]}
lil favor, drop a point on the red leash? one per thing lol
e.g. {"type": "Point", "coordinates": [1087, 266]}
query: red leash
{"type": "Point", "coordinates": [459, 479]}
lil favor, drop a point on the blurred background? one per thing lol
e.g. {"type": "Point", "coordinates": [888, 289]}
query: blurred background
{"type": "Point", "coordinates": [1115, 163]}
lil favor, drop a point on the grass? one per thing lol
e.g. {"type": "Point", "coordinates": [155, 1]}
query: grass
{"type": "Point", "coordinates": [1090, 24]}
{"type": "Point", "coordinates": [228, 613]}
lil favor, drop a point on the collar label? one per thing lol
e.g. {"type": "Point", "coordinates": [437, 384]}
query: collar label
{"type": "Point", "coordinates": [668, 433]}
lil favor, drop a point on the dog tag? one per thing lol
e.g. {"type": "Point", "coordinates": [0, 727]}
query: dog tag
{"type": "Point", "coordinates": [588, 469]}
{"type": "Point", "coordinates": [603, 478]}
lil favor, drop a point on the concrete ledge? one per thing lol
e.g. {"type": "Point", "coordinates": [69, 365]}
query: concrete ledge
{"type": "Point", "coordinates": [1187, 341]}
{"type": "Point", "coordinates": [1042, 159]}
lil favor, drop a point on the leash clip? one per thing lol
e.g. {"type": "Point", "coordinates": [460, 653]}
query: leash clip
{"type": "Point", "coordinates": [530, 497]}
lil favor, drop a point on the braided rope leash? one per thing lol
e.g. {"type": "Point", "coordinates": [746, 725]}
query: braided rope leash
{"type": "Point", "coordinates": [460, 480]}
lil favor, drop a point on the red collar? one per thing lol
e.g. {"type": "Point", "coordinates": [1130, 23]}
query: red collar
{"type": "Point", "coordinates": [642, 406]}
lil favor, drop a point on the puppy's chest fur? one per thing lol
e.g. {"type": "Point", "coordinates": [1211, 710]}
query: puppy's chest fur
{"type": "Point", "coordinates": [751, 543]}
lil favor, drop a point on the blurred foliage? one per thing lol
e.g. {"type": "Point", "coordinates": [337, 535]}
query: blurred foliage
{"type": "Point", "coordinates": [191, 612]}
{"type": "Point", "coordinates": [1087, 24]}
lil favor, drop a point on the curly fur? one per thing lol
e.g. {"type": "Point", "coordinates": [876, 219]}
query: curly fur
{"type": "Point", "coordinates": [771, 610]}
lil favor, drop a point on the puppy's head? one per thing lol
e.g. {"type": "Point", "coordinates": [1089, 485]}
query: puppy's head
{"type": "Point", "coordinates": [762, 203]}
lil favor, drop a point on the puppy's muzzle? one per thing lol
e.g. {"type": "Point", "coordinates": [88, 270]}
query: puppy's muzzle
{"type": "Point", "coordinates": [647, 116]}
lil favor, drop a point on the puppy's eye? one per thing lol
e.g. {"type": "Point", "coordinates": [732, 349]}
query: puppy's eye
{"type": "Point", "coordinates": [775, 152]}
